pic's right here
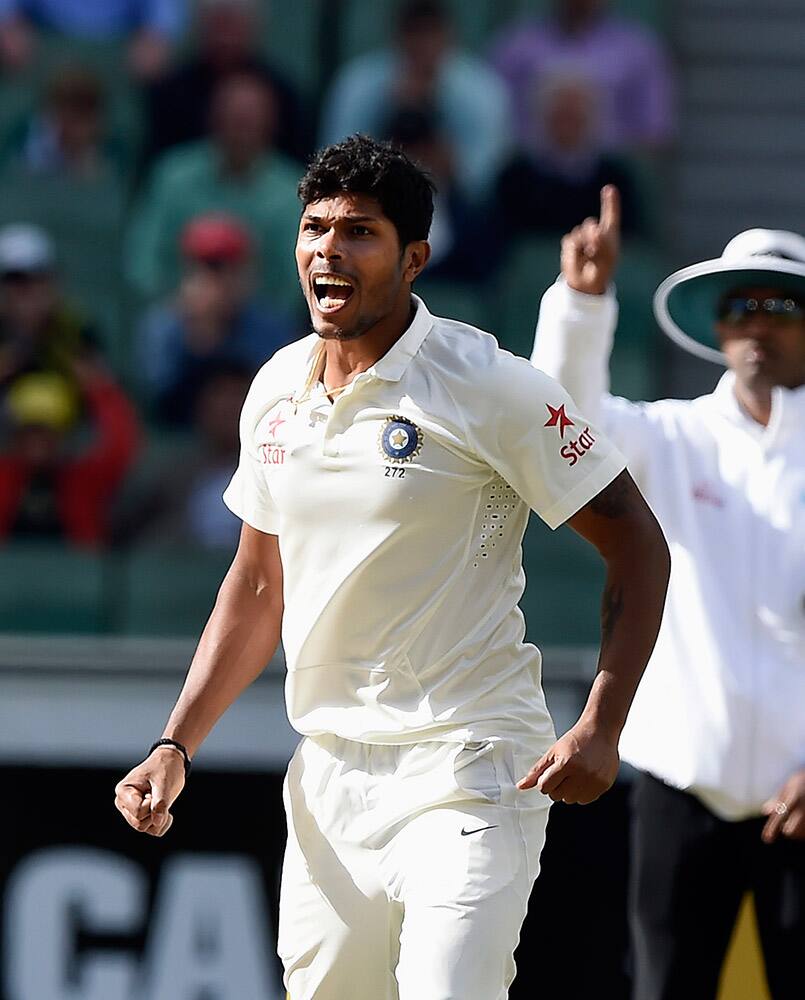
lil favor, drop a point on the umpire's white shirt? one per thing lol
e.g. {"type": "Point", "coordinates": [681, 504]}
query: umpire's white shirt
{"type": "Point", "coordinates": [400, 510]}
{"type": "Point", "coordinates": [721, 709]}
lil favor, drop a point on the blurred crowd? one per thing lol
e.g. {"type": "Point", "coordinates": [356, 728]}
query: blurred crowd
{"type": "Point", "coordinates": [146, 244]}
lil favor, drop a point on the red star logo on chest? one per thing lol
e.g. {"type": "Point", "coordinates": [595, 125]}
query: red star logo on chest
{"type": "Point", "coordinates": [274, 424]}
{"type": "Point", "coordinates": [558, 419]}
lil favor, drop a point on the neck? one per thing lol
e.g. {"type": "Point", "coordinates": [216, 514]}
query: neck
{"type": "Point", "coordinates": [344, 359]}
{"type": "Point", "coordinates": [756, 401]}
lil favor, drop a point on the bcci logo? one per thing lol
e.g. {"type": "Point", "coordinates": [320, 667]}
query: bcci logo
{"type": "Point", "coordinates": [400, 439]}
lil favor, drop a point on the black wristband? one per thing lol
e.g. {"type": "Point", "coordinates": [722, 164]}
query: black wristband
{"type": "Point", "coordinates": [179, 746]}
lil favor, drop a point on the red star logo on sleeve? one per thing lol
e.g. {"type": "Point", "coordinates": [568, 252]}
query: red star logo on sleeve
{"type": "Point", "coordinates": [274, 424]}
{"type": "Point", "coordinates": [558, 419]}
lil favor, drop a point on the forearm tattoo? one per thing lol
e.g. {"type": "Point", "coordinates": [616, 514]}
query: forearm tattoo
{"type": "Point", "coordinates": [617, 499]}
{"type": "Point", "coordinates": [611, 611]}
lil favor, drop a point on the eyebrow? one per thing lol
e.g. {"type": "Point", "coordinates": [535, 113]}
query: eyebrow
{"type": "Point", "coordinates": [345, 218]}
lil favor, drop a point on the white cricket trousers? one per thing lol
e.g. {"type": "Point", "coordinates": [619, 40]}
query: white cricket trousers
{"type": "Point", "coordinates": [407, 870]}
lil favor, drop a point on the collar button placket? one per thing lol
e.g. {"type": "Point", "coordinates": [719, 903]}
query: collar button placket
{"type": "Point", "coordinates": [331, 435]}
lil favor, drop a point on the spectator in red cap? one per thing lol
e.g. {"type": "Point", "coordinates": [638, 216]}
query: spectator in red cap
{"type": "Point", "coordinates": [213, 319]}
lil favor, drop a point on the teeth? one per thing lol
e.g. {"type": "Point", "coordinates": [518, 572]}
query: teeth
{"type": "Point", "coordinates": [330, 279]}
{"type": "Point", "coordinates": [329, 303]}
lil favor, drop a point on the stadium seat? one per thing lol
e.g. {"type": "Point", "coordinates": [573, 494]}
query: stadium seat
{"type": "Point", "coordinates": [52, 588]}
{"type": "Point", "coordinates": [528, 269]}
{"type": "Point", "coordinates": [533, 264]}
{"type": "Point", "coordinates": [634, 369]}
{"type": "Point", "coordinates": [292, 41]}
{"type": "Point", "coordinates": [454, 300]}
{"type": "Point", "coordinates": [85, 221]}
{"type": "Point", "coordinates": [564, 580]}
{"type": "Point", "coordinates": [475, 24]}
{"type": "Point", "coordinates": [650, 12]}
{"type": "Point", "coordinates": [169, 591]}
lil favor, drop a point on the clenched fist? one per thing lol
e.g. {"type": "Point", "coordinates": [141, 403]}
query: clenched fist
{"type": "Point", "coordinates": [590, 251]}
{"type": "Point", "coordinates": [578, 768]}
{"type": "Point", "coordinates": [145, 795]}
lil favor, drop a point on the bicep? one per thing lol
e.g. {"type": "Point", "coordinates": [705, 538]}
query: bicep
{"type": "Point", "coordinates": [616, 518]}
{"type": "Point", "coordinates": [257, 562]}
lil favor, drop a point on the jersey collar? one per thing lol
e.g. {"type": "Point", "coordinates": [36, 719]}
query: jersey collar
{"type": "Point", "coordinates": [787, 410]}
{"type": "Point", "coordinates": [391, 367]}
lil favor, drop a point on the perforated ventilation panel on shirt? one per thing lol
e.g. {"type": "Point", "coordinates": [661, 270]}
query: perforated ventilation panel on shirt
{"type": "Point", "coordinates": [499, 502]}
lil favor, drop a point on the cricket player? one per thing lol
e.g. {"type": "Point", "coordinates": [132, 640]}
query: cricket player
{"type": "Point", "coordinates": [718, 726]}
{"type": "Point", "coordinates": [388, 464]}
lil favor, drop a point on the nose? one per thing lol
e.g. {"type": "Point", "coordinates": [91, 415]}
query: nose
{"type": "Point", "coordinates": [761, 326]}
{"type": "Point", "coordinates": [329, 246]}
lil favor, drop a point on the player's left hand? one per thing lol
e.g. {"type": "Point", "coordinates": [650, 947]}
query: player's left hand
{"type": "Point", "coordinates": [786, 811]}
{"type": "Point", "coordinates": [579, 767]}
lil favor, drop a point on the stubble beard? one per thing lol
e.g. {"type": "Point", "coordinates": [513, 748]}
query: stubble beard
{"type": "Point", "coordinates": [343, 335]}
{"type": "Point", "coordinates": [361, 327]}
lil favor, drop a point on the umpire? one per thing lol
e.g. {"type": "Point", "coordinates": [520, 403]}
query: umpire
{"type": "Point", "coordinates": [717, 729]}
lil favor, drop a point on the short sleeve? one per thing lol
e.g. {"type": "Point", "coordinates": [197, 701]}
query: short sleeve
{"type": "Point", "coordinates": [248, 495]}
{"type": "Point", "coordinates": [528, 429]}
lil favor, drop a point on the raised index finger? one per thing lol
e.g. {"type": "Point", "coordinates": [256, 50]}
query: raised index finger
{"type": "Point", "coordinates": [610, 218]}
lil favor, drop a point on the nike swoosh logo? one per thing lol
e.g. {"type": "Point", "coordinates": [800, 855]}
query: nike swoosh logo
{"type": "Point", "coordinates": [466, 833]}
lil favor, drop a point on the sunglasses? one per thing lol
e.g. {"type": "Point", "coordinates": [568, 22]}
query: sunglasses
{"type": "Point", "coordinates": [736, 308]}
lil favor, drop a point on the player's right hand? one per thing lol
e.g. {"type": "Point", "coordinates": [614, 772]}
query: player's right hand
{"type": "Point", "coordinates": [145, 795]}
{"type": "Point", "coordinates": [590, 251]}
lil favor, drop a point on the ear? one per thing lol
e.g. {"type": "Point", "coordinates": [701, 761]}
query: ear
{"type": "Point", "coordinates": [416, 256]}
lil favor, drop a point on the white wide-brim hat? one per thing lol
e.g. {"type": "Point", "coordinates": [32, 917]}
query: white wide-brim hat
{"type": "Point", "coordinates": [686, 303]}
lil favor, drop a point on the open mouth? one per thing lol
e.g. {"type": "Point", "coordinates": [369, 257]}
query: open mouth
{"type": "Point", "coordinates": [332, 291]}
{"type": "Point", "coordinates": [757, 355]}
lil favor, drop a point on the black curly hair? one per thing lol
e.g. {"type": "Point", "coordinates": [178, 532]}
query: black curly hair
{"type": "Point", "coordinates": [361, 165]}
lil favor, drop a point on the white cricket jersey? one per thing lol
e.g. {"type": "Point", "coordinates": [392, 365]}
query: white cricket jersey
{"type": "Point", "coordinates": [400, 510]}
{"type": "Point", "coordinates": [721, 708]}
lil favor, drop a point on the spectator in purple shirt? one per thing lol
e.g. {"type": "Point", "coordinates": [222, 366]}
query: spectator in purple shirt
{"type": "Point", "coordinates": [626, 61]}
{"type": "Point", "coordinates": [153, 25]}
